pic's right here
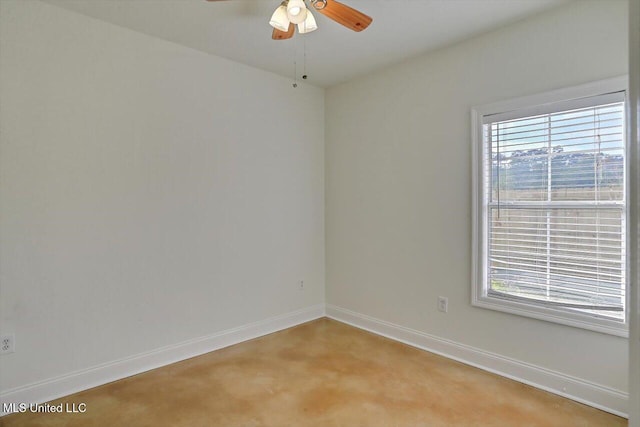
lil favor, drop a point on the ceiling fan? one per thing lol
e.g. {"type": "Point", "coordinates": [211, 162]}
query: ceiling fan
{"type": "Point", "coordinates": [295, 12]}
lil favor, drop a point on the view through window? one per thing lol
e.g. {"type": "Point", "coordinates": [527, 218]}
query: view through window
{"type": "Point", "coordinates": [553, 207]}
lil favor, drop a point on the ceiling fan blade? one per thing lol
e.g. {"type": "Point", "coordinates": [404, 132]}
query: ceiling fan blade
{"type": "Point", "coordinates": [345, 15]}
{"type": "Point", "coordinates": [282, 35]}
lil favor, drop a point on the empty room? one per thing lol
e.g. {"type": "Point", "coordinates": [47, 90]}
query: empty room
{"type": "Point", "coordinates": [372, 213]}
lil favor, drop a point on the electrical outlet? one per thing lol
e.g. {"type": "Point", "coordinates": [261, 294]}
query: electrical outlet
{"type": "Point", "coordinates": [301, 285]}
{"type": "Point", "coordinates": [443, 304]}
{"type": "Point", "coordinates": [7, 344]}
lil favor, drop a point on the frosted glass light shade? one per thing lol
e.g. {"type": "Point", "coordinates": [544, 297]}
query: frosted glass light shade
{"type": "Point", "coordinates": [279, 19]}
{"type": "Point", "coordinates": [308, 25]}
{"type": "Point", "coordinates": [296, 11]}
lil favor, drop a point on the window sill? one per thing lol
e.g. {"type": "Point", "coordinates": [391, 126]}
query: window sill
{"type": "Point", "coordinates": [563, 317]}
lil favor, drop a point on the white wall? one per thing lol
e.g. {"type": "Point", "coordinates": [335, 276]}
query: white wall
{"type": "Point", "coordinates": [150, 194]}
{"type": "Point", "coordinates": [398, 183]}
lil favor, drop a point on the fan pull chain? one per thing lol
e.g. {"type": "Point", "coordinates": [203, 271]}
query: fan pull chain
{"type": "Point", "coordinates": [295, 65]}
{"type": "Point", "coordinates": [304, 64]}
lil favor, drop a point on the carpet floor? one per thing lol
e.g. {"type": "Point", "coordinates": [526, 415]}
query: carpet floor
{"type": "Point", "coordinates": [322, 373]}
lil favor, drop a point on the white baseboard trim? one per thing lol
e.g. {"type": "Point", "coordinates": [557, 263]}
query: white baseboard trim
{"type": "Point", "coordinates": [74, 382]}
{"type": "Point", "coordinates": [596, 395]}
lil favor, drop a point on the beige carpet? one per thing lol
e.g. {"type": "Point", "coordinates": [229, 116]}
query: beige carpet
{"type": "Point", "coordinates": [322, 373]}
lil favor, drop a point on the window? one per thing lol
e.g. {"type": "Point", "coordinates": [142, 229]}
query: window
{"type": "Point", "coordinates": [550, 214]}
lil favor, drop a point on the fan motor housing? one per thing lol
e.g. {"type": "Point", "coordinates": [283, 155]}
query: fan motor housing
{"type": "Point", "coordinates": [319, 4]}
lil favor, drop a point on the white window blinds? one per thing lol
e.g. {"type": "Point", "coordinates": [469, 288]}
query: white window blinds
{"type": "Point", "coordinates": [554, 198]}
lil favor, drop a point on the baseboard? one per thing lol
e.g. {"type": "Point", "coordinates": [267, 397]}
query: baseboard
{"type": "Point", "coordinates": [596, 395]}
{"type": "Point", "coordinates": [74, 382]}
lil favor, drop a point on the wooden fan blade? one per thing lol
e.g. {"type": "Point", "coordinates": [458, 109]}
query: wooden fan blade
{"type": "Point", "coordinates": [282, 35]}
{"type": "Point", "coordinates": [345, 15]}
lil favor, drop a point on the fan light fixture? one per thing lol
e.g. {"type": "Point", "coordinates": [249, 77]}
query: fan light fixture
{"type": "Point", "coordinates": [279, 19]}
{"type": "Point", "coordinates": [296, 11]}
{"type": "Point", "coordinates": [293, 12]}
{"type": "Point", "coordinates": [308, 25]}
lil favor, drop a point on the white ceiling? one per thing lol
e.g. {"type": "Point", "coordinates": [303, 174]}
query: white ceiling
{"type": "Point", "coordinates": [239, 30]}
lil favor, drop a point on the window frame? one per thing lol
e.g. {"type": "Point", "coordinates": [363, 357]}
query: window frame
{"type": "Point", "coordinates": [479, 297]}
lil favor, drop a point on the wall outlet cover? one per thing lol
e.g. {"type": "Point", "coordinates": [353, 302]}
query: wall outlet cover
{"type": "Point", "coordinates": [443, 304]}
{"type": "Point", "coordinates": [7, 344]}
